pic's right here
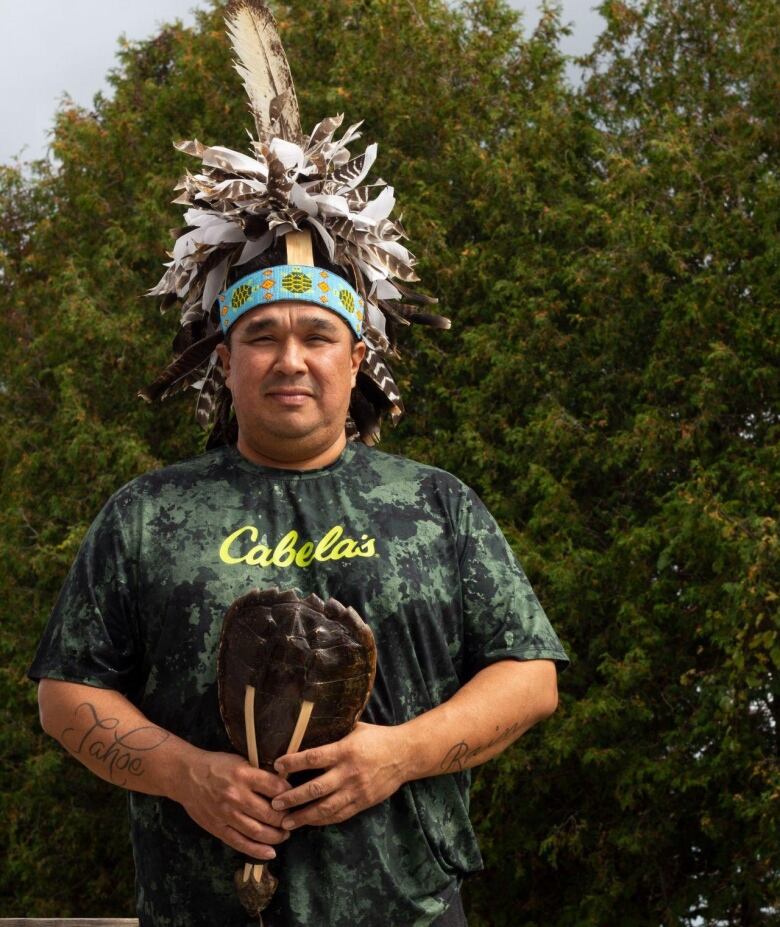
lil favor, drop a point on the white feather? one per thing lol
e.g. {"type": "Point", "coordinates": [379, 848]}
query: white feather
{"type": "Point", "coordinates": [379, 208]}
{"type": "Point", "coordinates": [252, 248]}
{"type": "Point", "coordinates": [228, 160]}
{"type": "Point", "coordinates": [263, 67]}
{"type": "Point", "coordinates": [214, 284]}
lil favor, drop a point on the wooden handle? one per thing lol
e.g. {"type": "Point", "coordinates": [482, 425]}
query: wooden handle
{"type": "Point", "coordinates": [300, 727]}
{"type": "Point", "coordinates": [249, 725]}
{"type": "Point", "coordinates": [255, 870]}
{"type": "Point", "coordinates": [251, 869]}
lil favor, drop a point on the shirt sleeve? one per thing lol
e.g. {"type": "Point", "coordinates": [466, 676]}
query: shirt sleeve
{"type": "Point", "coordinates": [92, 634]}
{"type": "Point", "coordinates": [502, 616]}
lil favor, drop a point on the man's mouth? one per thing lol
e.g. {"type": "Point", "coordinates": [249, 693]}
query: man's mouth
{"type": "Point", "coordinates": [290, 396]}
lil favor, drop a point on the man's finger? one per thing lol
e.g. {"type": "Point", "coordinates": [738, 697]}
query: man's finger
{"type": "Point", "coordinates": [315, 758]}
{"type": "Point", "coordinates": [313, 790]}
{"type": "Point", "coordinates": [250, 848]}
{"type": "Point", "coordinates": [260, 809]}
{"type": "Point", "coordinates": [264, 783]}
{"type": "Point", "coordinates": [332, 810]}
{"type": "Point", "coordinates": [258, 832]}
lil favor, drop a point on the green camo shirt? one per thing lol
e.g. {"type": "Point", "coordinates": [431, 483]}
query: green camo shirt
{"type": "Point", "coordinates": [410, 547]}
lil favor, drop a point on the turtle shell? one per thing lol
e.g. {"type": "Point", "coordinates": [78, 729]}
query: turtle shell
{"type": "Point", "coordinates": [291, 650]}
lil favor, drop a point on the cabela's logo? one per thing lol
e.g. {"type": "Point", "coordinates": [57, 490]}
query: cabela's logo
{"type": "Point", "coordinates": [289, 551]}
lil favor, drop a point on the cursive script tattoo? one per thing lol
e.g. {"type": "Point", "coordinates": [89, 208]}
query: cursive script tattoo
{"type": "Point", "coordinates": [460, 755]}
{"type": "Point", "coordinates": [116, 751]}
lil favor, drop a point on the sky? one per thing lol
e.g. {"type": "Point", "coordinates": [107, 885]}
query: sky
{"type": "Point", "coordinates": [51, 48]}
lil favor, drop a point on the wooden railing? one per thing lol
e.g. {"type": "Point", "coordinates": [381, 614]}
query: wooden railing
{"type": "Point", "coordinates": [68, 922]}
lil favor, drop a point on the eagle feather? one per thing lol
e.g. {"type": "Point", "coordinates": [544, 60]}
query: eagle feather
{"type": "Point", "coordinates": [263, 67]}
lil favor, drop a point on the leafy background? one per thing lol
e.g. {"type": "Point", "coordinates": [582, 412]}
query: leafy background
{"type": "Point", "coordinates": [609, 255]}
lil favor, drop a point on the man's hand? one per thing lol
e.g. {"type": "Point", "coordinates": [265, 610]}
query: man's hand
{"type": "Point", "coordinates": [230, 799]}
{"type": "Point", "coordinates": [481, 719]}
{"type": "Point", "coordinates": [361, 769]}
{"type": "Point", "coordinates": [113, 739]}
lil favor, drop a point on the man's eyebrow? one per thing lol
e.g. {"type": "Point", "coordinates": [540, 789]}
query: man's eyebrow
{"type": "Point", "coordinates": [309, 321]}
{"type": "Point", "coordinates": [257, 325]}
{"type": "Point", "coordinates": [316, 321]}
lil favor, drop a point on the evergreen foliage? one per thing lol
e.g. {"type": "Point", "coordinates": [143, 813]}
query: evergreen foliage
{"type": "Point", "coordinates": [610, 258]}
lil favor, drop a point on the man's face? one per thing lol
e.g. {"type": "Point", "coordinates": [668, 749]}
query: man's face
{"type": "Point", "coordinates": [290, 368]}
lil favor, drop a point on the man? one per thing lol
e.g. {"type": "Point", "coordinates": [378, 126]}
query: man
{"type": "Point", "coordinates": [379, 833]}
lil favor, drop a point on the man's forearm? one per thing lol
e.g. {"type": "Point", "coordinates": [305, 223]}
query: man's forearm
{"type": "Point", "coordinates": [368, 765]}
{"type": "Point", "coordinates": [112, 738]}
{"type": "Point", "coordinates": [220, 791]}
{"type": "Point", "coordinates": [481, 719]}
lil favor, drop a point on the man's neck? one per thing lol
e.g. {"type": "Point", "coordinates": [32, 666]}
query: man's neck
{"type": "Point", "coordinates": [295, 458]}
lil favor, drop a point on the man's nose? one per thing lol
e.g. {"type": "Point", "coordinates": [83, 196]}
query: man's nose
{"type": "Point", "coordinates": [290, 358]}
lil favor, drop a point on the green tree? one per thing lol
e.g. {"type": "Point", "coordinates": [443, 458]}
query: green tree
{"type": "Point", "coordinates": [609, 257]}
{"type": "Point", "coordinates": [623, 407]}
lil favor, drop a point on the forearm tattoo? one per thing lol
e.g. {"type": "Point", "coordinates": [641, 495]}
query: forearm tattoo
{"type": "Point", "coordinates": [460, 755]}
{"type": "Point", "coordinates": [119, 753]}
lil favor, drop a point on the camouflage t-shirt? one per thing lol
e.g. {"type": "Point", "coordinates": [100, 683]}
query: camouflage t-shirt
{"type": "Point", "coordinates": [410, 547]}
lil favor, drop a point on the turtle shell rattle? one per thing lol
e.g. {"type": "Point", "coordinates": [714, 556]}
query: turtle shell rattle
{"type": "Point", "coordinates": [292, 674]}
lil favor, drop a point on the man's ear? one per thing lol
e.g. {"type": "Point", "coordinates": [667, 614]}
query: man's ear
{"type": "Point", "coordinates": [358, 353]}
{"type": "Point", "coordinates": [223, 352]}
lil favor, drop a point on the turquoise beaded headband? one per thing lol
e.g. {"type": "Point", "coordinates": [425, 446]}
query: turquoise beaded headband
{"type": "Point", "coordinates": [292, 281]}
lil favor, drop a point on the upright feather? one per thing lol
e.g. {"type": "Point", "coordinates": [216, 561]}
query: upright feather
{"type": "Point", "coordinates": [263, 66]}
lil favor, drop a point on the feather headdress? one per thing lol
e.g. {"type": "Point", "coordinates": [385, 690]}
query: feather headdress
{"type": "Point", "coordinates": [240, 206]}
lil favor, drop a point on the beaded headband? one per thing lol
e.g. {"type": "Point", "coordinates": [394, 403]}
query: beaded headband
{"type": "Point", "coordinates": [292, 281]}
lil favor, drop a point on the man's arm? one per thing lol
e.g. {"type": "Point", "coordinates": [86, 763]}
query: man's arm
{"type": "Point", "coordinates": [480, 720]}
{"type": "Point", "coordinates": [114, 740]}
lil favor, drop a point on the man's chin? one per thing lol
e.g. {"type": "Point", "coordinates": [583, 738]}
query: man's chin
{"type": "Point", "coordinates": [287, 426]}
